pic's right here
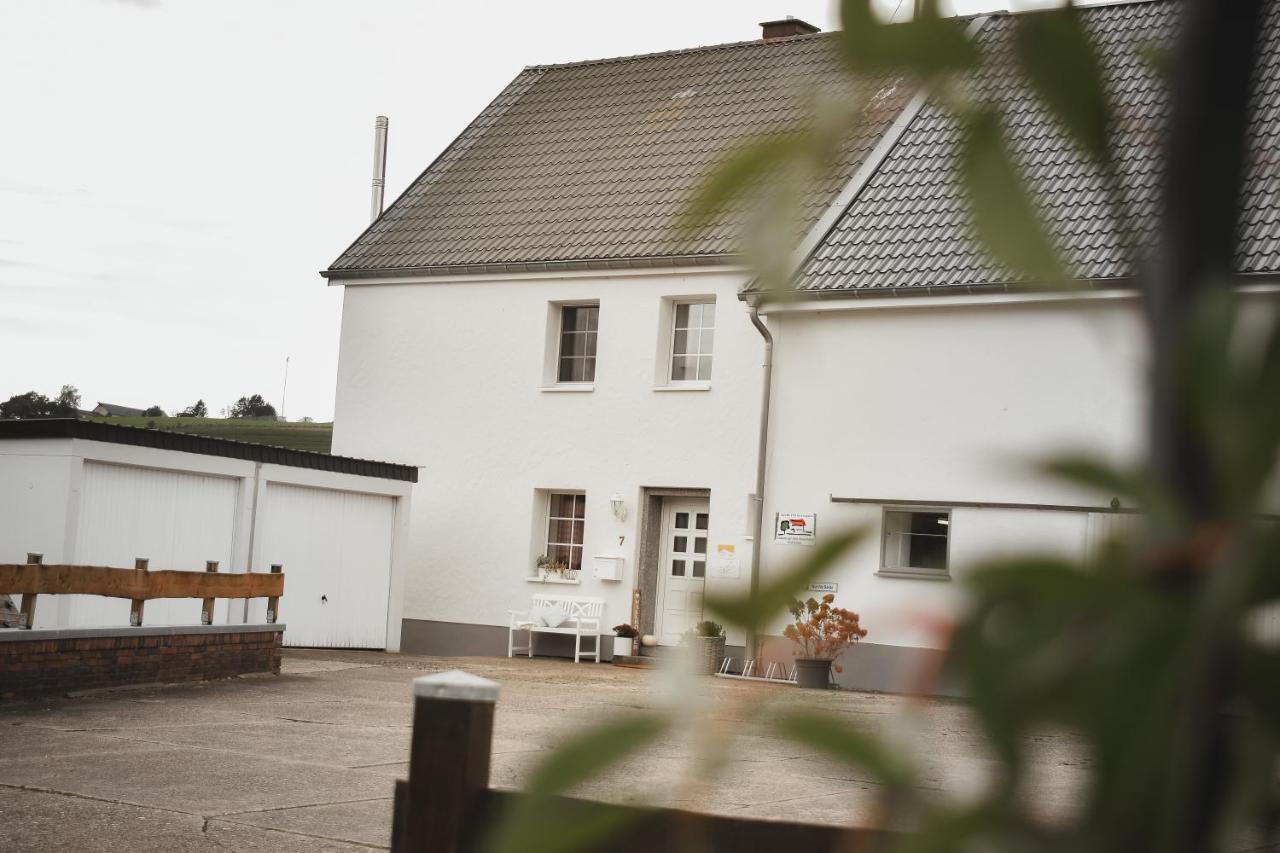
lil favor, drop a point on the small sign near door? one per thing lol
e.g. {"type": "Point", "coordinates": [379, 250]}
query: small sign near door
{"type": "Point", "coordinates": [824, 587]}
{"type": "Point", "coordinates": [726, 564]}
{"type": "Point", "coordinates": [795, 528]}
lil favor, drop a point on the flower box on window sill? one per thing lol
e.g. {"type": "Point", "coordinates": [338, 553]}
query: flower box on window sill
{"type": "Point", "coordinates": [567, 577]}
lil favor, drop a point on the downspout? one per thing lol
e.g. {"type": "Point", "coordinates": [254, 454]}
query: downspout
{"type": "Point", "coordinates": [253, 529]}
{"type": "Point", "coordinates": [757, 545]}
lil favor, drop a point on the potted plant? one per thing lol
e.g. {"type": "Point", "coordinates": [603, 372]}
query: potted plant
{"type": "Point", "coordinates": [708, 638]}
{"type": "Point", "coordinates": [823, 633]}
{"type": "Point", "coordinates": [623, 637]}
{"type": "Point", "coordinates": [547, 567]}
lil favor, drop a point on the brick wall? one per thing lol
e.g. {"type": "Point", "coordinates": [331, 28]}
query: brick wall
{"type": "Point", "coordinates": [41, 662]}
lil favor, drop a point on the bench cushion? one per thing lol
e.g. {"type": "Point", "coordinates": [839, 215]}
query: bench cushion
{"type": "Point", "coordinates": [553, 615]}
{"type": "Point", "coordinates": [548, 615]}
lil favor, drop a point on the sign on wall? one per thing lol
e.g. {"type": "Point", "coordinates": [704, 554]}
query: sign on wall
{"type": "Point", "coordinates": [824, 587]}
{"type": "Point", "coordinates": [726, 564]}
{"type": "Point", "coordinates": [795, 528]}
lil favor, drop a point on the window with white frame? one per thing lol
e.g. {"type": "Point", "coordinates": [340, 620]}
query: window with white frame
{"type": "Point", "coordinates": [566, 524]}
{"type": "Point", "coordinates": [693, 331]}
{"type": "Point", "coordinates": [579, 325]}
{"type": "Point", "coordinates": [916, 542]}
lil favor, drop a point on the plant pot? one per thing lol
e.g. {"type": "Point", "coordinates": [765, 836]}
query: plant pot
{"type": "Point", "coordinates": [710, 654]}
{"type": "Point", "coordinates": [622, 646]}
{"type": "Point", "coordinates": [813, 673]}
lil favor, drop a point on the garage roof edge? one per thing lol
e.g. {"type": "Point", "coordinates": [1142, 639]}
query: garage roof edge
{"type": "Point", "coordinates": [204, 445]}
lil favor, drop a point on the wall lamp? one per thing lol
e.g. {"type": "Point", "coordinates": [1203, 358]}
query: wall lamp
{"type": "Point", "coordinates": [619, 506]}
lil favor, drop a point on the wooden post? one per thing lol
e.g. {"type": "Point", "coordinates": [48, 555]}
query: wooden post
{"type": "Point", "coordinates": [273, 601]}
{"type": "Point", "coordinates": [449, 758]}
{"type": "Point", "coordinates": [27, 609]}
{"type": "Point", "coordinates": [206, 609]}
{"type": "Point", "coordinates": [635, 620]}
{"type": "Point", "coordinates": [135, 609]}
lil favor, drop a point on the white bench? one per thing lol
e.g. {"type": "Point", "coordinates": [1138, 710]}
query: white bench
{"type": "Point", "coordinates": [582, 620]}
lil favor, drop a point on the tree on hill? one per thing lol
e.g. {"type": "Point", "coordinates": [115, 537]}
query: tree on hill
{"type": "Point", "coordinates": [253, 407]}
{"type": "Point", "coordinates": [68, 402]}
{"type": "Point", "coordinates": [155, 412]}
{"type": "Point", "coordinates": [196, 410]}
{"type": "Point", "coordinates": [32, 404]}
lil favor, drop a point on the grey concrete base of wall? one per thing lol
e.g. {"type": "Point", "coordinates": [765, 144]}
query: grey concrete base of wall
{"type": "Point", "coordinates": [867, 666]}
{"type": "Point", "coordinates": [881, 668]}
{"type": "Point", "coordinates": [455, 639]}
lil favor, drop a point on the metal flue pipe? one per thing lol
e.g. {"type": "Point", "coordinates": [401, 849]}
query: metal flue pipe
{"type": "Point", "coordinates": [379, 166]}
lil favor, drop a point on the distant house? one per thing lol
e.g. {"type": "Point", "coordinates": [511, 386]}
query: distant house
{"type": "Point", "coordinates": [111, 410]}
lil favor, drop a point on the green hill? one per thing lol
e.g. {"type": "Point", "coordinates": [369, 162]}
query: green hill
{"type": "Point", "coordinates": [299, 436]}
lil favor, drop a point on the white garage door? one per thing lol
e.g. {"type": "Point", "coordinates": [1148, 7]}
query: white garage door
{"type": "Point", "coordinates": [175, 520]}
{"type": "Point", "coordinates": [336, 551]}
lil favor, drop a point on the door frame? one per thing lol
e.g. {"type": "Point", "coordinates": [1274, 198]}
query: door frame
{"type": "Point", "coordinates": [650, 547]}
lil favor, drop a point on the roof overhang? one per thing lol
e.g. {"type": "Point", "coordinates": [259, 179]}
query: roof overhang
{"type": "Point", "coordinates": [490, 269]}
{"type": "Point", "coordinates": [802, 300]}
{"type": "Point", "coordinates": [43, 428]}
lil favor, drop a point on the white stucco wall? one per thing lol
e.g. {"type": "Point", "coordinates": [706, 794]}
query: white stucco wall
{"type": "Point", "coordinates": [938, 401]}
{"type": "Point", "coordinates": [35, 495]}
{"type": "Point", "coordinates": [99, 503]}
{"type": "Point", "coordinates": [449, 375]}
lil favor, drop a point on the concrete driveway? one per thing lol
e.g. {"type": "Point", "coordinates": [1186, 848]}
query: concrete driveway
{"type": "Point", "coordinates": [306, 761]}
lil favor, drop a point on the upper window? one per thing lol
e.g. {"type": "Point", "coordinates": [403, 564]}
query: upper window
{"type": "Point", "coordinates": [692, 340]}
{"type": "Point", "coordinates": [578, 329]}
{"type": "Point", "coordinates": [566, 521]}
{"type": "Point", "coordinates": [916, 542]}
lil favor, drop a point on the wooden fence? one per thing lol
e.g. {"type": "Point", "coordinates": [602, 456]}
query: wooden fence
{"type": "Point", "coordinates": [446, 805]}
{"type": "Point", "coordinates": [138, 584]}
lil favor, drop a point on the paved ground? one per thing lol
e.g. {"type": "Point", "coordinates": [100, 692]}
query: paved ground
{"type": "Point", "coordinates": [306, 761]}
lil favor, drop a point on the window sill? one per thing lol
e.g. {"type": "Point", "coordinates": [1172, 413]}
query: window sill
{"type": "Point", "coordinates": [684, 386]}
{"type": "Point", "coordinates": [574, 582]}
{"type": "Point", "coordinates": [569, 388]}
{"type": "Point", "coordinates": [915, 574]}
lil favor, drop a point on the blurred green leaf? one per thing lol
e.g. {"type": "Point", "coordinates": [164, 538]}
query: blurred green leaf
{"type": "Point", "coordinates": [1132, 489]}
{"type": "Point", "coordinates": [947, 831]}
{"type": "Point", "coordinates": [742, 171]}
{"type": "Point", "coordinates": [1004, 217]}
{"type": "Point", "coordinates": [533, 823]}
{"type": "Point", "coordinates": [772, 598]}
{"type": "Point", "coordinates": [1059, 60]}
{"type": "Point", "coordinates": [926, 45]}
{"type": "Point", "coordinates": [835, 737]}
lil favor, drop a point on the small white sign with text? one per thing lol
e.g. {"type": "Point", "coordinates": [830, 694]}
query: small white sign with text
{"type": "Point", "coordinates": [726, 564]}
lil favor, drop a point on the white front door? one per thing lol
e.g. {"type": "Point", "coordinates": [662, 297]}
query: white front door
{"type": "Point", "coordinates": [683, 566]}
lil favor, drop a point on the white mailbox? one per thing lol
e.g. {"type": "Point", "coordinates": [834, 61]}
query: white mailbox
{"type": "Point", "coordinates": [608, 568]}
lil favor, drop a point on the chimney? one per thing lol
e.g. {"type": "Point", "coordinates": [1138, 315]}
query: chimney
{"type": "Point", "coordinates": [379, 165]}
{"type": "Point", "coordinates": [786, 28]}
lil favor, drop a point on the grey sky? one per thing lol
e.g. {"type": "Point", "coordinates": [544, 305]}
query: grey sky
{"type": "Point", "coordinates": [173, 173]}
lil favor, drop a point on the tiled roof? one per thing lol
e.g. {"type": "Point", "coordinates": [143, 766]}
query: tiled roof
{"type": "Point", "coordinates": [598, 161]}
{"type": "Point", "coordinates": [908, 226]}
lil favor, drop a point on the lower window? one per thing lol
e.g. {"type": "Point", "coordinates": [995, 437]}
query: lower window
{"type": "Point", "coordinates": [566, 522]}
{"type": "Point", "coordinates": [916, 542]}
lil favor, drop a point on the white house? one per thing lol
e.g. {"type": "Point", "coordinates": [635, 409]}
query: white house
{"type": "Point", "coordinates": [585, 381]}
{"type": "Point", "coordinates": [530, 288]}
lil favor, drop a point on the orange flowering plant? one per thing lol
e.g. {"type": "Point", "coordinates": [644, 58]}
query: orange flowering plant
{"type": "Point", "coordinates": [822, 631]}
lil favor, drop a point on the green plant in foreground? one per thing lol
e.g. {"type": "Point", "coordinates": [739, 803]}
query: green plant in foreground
{"type": "Point", "coordinates": [1147, 651]}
